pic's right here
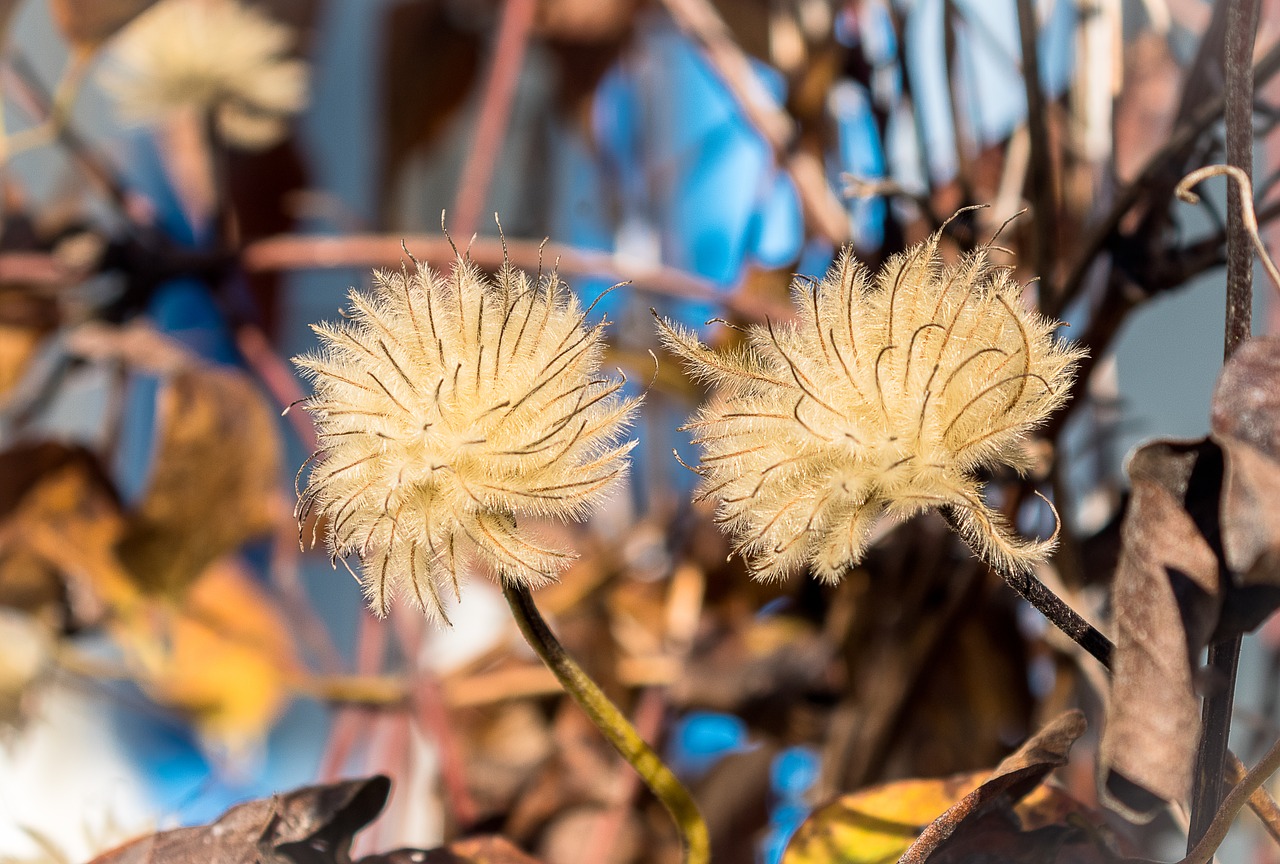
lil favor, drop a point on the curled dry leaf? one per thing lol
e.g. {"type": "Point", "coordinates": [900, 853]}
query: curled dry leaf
{"type": "Point", "coordinates": [89, 23]}
{"type": "Point", "coordinates": [215, 473]}
{"type": "Point", "coordinates": [312, 825]}
{"type": "Point", "coordinates": [885, 822]}
{"type": "Point", "coordinates": [1246, 425]}
{"type": "Point", "coordinates": [1012, 781]}
{"type": "Point", "coordinates": [1200, 549]}
{"type": "Point", "coordinates": [1165, 599]}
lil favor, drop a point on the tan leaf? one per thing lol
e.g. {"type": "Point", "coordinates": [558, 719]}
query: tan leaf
{"type": "Point", "coordinates": [214, 478]}
{"type": "Point", "coordinates": [1166, 598]}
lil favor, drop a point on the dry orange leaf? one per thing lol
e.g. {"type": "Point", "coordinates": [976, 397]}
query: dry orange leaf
{"type": "Point", "coordinates": [59, 525]}
{"type": "Point", "coordinates": [224, 656]}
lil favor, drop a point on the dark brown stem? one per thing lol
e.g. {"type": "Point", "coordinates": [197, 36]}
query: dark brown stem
{"type": "Point", "coordinates": [1040, 171]}
{"type": "Point", "coordinates": [1164, 161]}
{"type": "Point", "coordinates": [1224, 656]}
{"type": "Point", "coordinates": [1052, 607]}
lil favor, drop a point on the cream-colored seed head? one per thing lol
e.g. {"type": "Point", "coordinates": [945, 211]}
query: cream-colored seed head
{"type": "Point", "coordinates": [211, 56]}
{"type": "Point", "coordinates": [886, 394]}
{"type": "Point", "coordinates": [448, 410]}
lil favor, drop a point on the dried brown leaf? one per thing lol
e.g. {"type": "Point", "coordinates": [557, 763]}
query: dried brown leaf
{"type": "Point", "coordinates": [1013, 779]}
{"type": "Point", "coordinates": [312, 825]}
{"type": "Point", "coordinates": [1166, 598]}
{"type": "Point", "coordinates": [1246, 424]}
{"type": "Point", "coordinates": [214, 479]}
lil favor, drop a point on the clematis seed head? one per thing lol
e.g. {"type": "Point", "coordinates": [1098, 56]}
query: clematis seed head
{"type": "Point", "coordinates": [219, 57]}
{"type": "Point", "coordinates": [449, 409]}
{"type": "Point", "coordinates": [888, 393]}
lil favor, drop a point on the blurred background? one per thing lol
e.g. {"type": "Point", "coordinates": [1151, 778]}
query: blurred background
{"type": "Point", "coordinates": [172, 653]}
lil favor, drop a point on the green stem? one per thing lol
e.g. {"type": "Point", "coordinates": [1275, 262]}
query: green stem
{"type": "Point", "coordinates": [615, 727]}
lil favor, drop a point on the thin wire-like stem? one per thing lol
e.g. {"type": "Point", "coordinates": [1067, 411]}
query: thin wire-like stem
{"type": "Point", "coordinates": [1224, 655]}
{"type": "Point", "coordinates": [1217, 829]}
{"type": "Point", "coordinates": [1054, 608]}
{"type": "Point", "coordinates": [615, 727]}
{"type": "Point", "coordinates": [1248, 216]}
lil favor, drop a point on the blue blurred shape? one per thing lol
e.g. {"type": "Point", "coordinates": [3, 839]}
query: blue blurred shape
{"type": "Point", "coordinates": [792, 774]}
{"type": "Point", "coordinates": [986, 71]}
{"type": "Point", "coordinates": [794, 771]}
{"type": "Point", "coordinates": [703, 738]}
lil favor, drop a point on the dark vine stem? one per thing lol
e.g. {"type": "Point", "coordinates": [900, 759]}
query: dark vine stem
{"type": "Point", "coordinates": [613, 725]}
{"type": "Point", "coordinates": [1224, 656]}
{"type": "Point", "coordinates": [1054, 608]}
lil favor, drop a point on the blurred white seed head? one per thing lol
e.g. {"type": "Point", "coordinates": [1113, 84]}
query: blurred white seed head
{"type": "Point", "coordinates": [886, 394]}
{"type": "Point", "coordinates": [450, 408]}
{"type": "Point", "coordinates": [209, 56]}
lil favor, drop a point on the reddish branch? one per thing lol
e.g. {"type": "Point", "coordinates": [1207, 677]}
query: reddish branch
{"type": "Point", "coordinates": [495, 110]}
{"type": "Point", "coordinates": [298, 252]}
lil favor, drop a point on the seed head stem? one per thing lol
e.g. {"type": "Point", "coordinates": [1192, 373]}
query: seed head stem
{"type": "Point", "coordinates": [612, 724]}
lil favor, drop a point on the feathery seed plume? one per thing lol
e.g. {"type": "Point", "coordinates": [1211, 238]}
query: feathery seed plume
{"type": "Point", "coordinates": [211, 56]}
{"type": "Point", "coordinates": [450, 408]}
{"type": "Point", "coordinates": [888, 393]}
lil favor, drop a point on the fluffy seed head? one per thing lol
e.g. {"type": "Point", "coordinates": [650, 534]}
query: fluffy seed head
{"type": "Point", "coordinates": [210, 56]}
{"type": "Point", "coordinates": [448, 409]}
{"type": "Point", "coordinates": [886, 394]}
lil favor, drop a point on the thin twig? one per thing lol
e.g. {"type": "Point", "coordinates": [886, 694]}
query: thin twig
{"type": "Point", "coordinates": [824, 214]}
{"type": "Point", "coordinates": [1040, 170]}
{"type": "Point", "coordinates": [613, 725]}
{"type": "Point", "coordinates": [495, 111]}
{"type": "Point", "coordinates": [1216, 830]}
{"type": "Point", "coordinates": [300, 252]}
{"type": "Point", "coordinates": [1102, 234]}
{"type": "Point", "coordinates": [1259, 802]}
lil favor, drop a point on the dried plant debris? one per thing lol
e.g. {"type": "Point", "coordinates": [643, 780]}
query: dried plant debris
{"type": "Point", "coordinates": [312, 825]}
{"type": "Point", "coordinates": [1198, 562]}
{"type": "Point", "coordinates": [60, 522]}
{"type": "Point", "coordinates": [1005, 814]}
